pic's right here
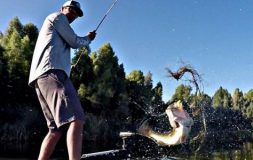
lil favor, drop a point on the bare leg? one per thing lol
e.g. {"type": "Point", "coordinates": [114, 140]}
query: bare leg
{"type": "Point", "coordinates": [48, 145]}
{"type": "Point", "coordinates": [75, 139]}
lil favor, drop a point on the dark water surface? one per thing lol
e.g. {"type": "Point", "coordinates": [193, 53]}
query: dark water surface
{"type": "Point", "coordinates": [244, 152]}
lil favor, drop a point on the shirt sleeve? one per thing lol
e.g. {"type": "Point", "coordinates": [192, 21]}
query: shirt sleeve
{"type": "Point", "coordinates": [62, 26]}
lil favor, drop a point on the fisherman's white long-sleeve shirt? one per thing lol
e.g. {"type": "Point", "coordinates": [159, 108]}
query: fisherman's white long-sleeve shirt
{"type": "Point", "coordinates": [52, 50]}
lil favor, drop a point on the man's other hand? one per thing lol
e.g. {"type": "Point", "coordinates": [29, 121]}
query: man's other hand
{"type": "Point", "coordinates": [92, 35]}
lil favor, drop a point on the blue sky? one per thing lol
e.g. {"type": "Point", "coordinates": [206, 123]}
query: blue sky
{"type": "Point", "coordinates": [214, 36]}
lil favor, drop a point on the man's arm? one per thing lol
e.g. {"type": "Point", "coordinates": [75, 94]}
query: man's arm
{"type": "Point", "coordinates": [62, 26]}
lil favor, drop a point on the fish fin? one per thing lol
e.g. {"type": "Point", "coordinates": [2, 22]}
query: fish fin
{"type": "Point", "coordinates": [144, 129]}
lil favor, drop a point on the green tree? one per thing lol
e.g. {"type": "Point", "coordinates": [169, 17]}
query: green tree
{"type": "Point", "coordinates": [156, 99]}
{"type": "Point", "coordinates": [30, 32]}
{"type": "Point", "coordinates": [16, 56]}
{"type": "Point", "coordinates": [100, 80]}
{"type": "Point", "coordinates": [140, 88]}
{"type": "Point", "coordinates": [109, 78]}
{"type": "Point", "coordinates": [249, 96]}
{"type": "Point", "coordinates": [148, 82]}
{"type": "Point", "coordinates": [137, 89]}
{"type": "Point", "coordinates": [1, 60]}
{"type": "Point", "coordinates": [202, 111]}
{"type": "Point", "coordinates": [182, 93]}
{"type": "Point", "coordinates": [148, 85]}
{"type": "Point", "coordinates": [238, 100]}
{"type": "Point", "coordinates": [83, 92]}
{"type": "Point", "coordinates": [102, 88]}
{"type": "Point", "coordinates": [202, 100]}
{"type": "Point", "coordinates": [135, 86]}
{"type": "Point", "coordinates": [144, 99]}
{"type": "Point", "coordinates": [3, 74]}
{"type": "Point", "coordinates": [82, 73]}
{"type": "Point", "coordinates": [136, 76]}
{"type": "Point", "coordinates": [14, 26]}
{"type": "Point", "coordinates": [157, 93]}
{"type": "Point", "coordinates": [222, 98]}
{"type": "Point", "coordinates": [249, 111]}
{"type": "Point", "coordinates": [248, 104]}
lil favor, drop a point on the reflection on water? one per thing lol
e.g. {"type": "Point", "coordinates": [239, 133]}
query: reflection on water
{"type": "Point", "coordinates": [243, 153]}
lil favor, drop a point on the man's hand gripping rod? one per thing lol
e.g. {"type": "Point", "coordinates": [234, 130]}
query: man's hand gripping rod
{"type": "Point", "coordinates": [88, 49]}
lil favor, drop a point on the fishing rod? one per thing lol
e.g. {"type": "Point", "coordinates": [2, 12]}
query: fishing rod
{"type": "Point", "coordinates": [101, 21]}
{"type": "Point", "coordinates": [108, 11]}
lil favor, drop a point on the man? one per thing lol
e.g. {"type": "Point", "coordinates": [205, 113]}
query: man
{"type": "Point", "coordinates": [49, 74]}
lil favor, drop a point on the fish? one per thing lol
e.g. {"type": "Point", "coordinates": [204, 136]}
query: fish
{"type": "Point", "coordinates": [179, 120]}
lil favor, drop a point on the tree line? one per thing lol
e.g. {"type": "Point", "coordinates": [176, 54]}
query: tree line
{"type": "Point", "coordinates": [112, 100]}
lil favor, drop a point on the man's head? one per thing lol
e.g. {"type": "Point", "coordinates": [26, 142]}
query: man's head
{"type": "Point", "coordinates": [72, 9]}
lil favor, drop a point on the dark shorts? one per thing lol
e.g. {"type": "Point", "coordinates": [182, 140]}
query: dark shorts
{"type": "Point", "coordinates": [58, 98]}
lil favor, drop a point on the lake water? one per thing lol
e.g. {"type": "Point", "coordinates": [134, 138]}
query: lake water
{"type": "Point", "coordinates": [244, 152]}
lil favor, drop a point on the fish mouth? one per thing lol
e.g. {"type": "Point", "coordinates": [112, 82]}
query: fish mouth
{"type": "Point", "coordinates": [177, 124]}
